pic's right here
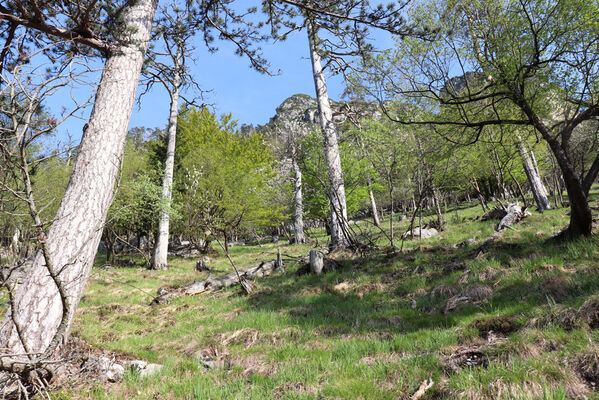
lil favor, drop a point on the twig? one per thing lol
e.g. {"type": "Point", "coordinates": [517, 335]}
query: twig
{"type": "Point", "coordinates": [424, 386]}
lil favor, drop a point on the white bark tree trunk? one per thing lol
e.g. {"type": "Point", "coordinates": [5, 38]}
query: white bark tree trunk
{"type": "Point", "coordinates": [339, 226]}
{"type": "Point", "coordinates": [534, 178]}
{"type": "Point", "coordinates": [298, 216]}
{"type": "Point", "coordinates": [159, 258]}
{"type": "Point", "coordinates": [373, 208]}
{"type": "Point", "coordinates": [74, 235]}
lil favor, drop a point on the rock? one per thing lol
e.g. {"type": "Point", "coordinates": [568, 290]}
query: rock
{"type": "Point", "coordinates": [275, 239]}
{"type": "Point", "coordinates": [144, 368]}
{"type": "Point", "coordinates": [465, 243]}
{"type": "Point", "coordinates": [96, 364]}
{"type": "Point", "coordinates": [137, 365]}
{"type": "Point", "coordinates": [208, 364]}
{"type": "Point", "coordinates": [402, 217]}
{"type": "Point", "coordinates": [115, 373]}
{"type": "Point", "coordinates": [105, 368]}
{"type": "Point", "coordinates": [150, 369]}
{"type": "Point", "coordinates": [426, 233]}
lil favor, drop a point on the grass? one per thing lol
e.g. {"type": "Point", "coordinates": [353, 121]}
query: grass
{"type": "Point", "coordinates": [376, 328]}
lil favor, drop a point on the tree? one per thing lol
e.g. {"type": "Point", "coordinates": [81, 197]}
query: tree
{"type": "Point", "coordinates": [288, 149]}
{"type": "Point", "coordinates": [225, 177]}
{"type": "Point", "coordinates": [534, 67]}
{"type": "Point", "coordinates": [42, 311]}
{"type": "Point", "coordinates": [39, 322]}
{"type": "Point", "coordinates": [175, 27]}
{"type": "Point", "coordinates": [347, 40]}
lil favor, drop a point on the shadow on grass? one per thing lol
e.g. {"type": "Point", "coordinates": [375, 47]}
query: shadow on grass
{"type": "Point", "coordinates": [404, 304]}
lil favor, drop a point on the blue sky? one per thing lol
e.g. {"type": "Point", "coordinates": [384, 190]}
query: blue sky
{"type": "Point", "coordinates": [251, 97]}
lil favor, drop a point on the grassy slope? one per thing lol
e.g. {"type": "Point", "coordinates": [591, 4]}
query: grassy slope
{"type": "Point", "coordinates": [377, 335]}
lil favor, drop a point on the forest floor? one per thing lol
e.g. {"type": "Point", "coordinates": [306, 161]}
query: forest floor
{"type": "Point", "coordinates": [513, 320]}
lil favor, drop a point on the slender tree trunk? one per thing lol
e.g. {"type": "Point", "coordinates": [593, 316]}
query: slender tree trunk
{"type": "Point", "coordinates": [74, 235]}
{"type": "Point", "coordinates": [391, 235]}
{"type": "Point", "coordinates": [481, 198]}
{"type": "Point", "coordinates": [339, 226]}
{"type": "Point", "coordinates": [534, 178]}
{"type": "Point", "coordinates": [298, 212]}
{"type": "Point", "coordinates": [159, 259]}
{"type": "Point", "coordinates": [436, 197]}
{"type": "Point", "coordinates": [375, 212]}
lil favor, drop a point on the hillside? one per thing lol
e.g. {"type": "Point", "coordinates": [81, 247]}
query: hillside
{"type": "Point", "coordinates": [512, 318]}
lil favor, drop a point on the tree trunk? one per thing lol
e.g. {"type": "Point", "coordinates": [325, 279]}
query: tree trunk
{"type": "Point", "coordinates": [375, 213]}
{"type": "Point", "coordinates": [534, 178]}
{"type": "Point", "coordinates": [74, 235]}
{"type": "Point", "coordinates": [159, 258]}
{"type": "Point", "coordinates": [298, 212]}
{"type": "Point", "coordinates": [436, 197]}
{"type": "Point", "coordinates": [339, 226]}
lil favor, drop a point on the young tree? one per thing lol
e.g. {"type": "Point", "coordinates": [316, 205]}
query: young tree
{"type": "Point", "coordinates": [176, 26]}
{"type": "Point", "coordinates": [225, 177]}
{"type": "Point", "coordinates": [532, 173]}
{"type": "Point", "coordinates": [288, 148]}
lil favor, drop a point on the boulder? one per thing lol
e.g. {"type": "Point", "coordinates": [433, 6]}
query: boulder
{"type": "Point", "coordinates": [426, 233]}
{"type": "Point", "coordinates": [144, 368]}
{"type": "Point", "coordinates": [105, 368]}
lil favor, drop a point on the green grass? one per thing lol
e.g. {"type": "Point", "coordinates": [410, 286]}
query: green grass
{"type": "Point", "coordinates": [379, 335]}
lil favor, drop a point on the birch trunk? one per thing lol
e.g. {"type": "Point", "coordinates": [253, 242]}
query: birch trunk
{"type": "Point", "coordinates": [375, 212]}
{"type": "Point", "coordinates": [159, 258]}
{"type": "Point", "coordinates": [534, 178]}
{"type": "Point", "coordinates": [73, 238]}
{"type": "Point", "coordinates": [339, 226]}
{"type": "Point", "coordinates": [298, 216]}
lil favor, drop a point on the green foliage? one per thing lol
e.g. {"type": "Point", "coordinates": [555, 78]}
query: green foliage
{"type": "Point", "coordinates": [225, 181]}
{"type": "Point", "coordinates": [356, 171]}
{"type": "Point", "coordinates": [137, 203]}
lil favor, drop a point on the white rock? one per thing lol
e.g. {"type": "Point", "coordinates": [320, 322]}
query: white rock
{"type": "Point", "coordinates": [144, 368]}
{"type": "Point", "coordinates": [115, 373]}
{"type": "Point", "coordinates": [150, 369]}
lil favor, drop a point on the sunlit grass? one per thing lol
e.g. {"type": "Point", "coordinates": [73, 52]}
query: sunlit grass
{"type": "Point", "coordinates": [377, 336]}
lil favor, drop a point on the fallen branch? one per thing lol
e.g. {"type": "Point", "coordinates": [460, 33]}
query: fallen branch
{"type": "Point", "coordinates": [211, 284]}
{"type": "Point", "coordinates": [424, 386]}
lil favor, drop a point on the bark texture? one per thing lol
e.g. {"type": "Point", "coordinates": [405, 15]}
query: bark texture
{"type": "Point", "coordinates": [316, 262]}
{"type": "Point", "coordinates": [73, 238]}
{"type": "Point", "coordinates": [339, 226]}
{"type": "Point", "coordinates": [534, 178]}
{"type": "Point", "coordinates": [160, 256]}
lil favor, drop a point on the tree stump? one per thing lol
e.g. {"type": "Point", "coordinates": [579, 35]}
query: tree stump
{"type": "Point", "coordinates": [316, 262]}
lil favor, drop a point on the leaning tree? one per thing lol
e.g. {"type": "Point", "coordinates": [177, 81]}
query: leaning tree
{"type": "Point", "coordinates": [527, 63]}
{"type": "Point", "coordinates": [42, 310]}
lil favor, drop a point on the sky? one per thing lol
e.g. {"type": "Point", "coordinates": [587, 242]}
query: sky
{"type": "Point", "coordinates": [251, 97]}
